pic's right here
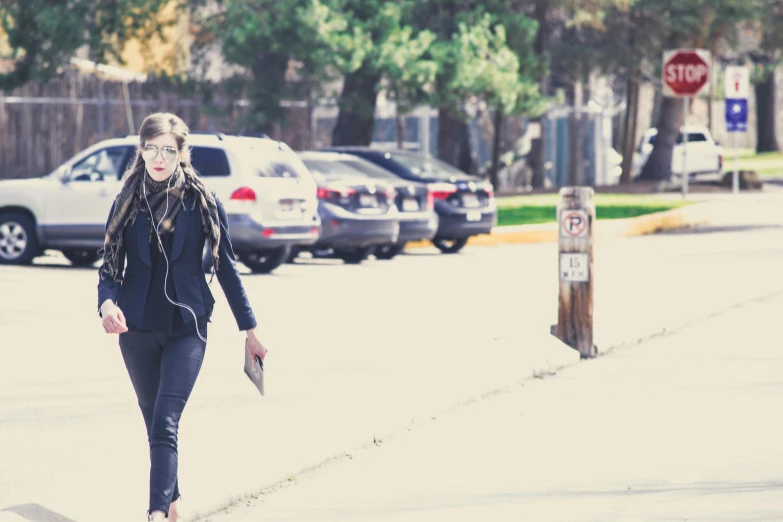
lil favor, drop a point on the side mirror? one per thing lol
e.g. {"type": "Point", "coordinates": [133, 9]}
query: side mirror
{"type": "Point", "coordinates": [64, 175]}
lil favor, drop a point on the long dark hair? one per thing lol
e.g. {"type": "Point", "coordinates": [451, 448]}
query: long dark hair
{"type": "Point", "coordinates": [153, 126]}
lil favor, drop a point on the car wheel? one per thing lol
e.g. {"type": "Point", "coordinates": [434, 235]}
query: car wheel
{"type": "Point", "coordinates": [264, 261]}
{"type": "Point", "coordinates": [354, 256]}
{"type": "Point", "coordinates": [387, 252]}
{"type": "Point", "coordinates": [450, 246]}
{"type": "Point", "coordinates": [79, 257]}
{"type": "Point", "coordinates": [293, 255]}
{"type": "Point", "coordinates": [18, 242]}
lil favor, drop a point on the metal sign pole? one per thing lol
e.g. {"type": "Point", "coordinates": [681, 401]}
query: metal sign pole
{"type": "Point", "coordinates": [735, 180]}
{"type": "Point", "coordinates": [736, 96]}
{"type": "Point", "coordinates": [684, 148]}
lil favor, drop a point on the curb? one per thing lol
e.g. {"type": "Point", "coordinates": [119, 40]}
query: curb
{"type": "Point", "coordinates": [690, 215]}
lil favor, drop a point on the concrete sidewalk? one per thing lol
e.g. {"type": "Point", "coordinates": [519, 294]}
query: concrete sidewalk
{"type": "Point", "coordinates": [684, 427]}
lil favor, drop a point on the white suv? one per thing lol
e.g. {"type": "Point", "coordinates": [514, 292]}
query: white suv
{"type": "Point", "coordinates": [704, 155]}
{"type": "Point", "coordinates": [269, 196]}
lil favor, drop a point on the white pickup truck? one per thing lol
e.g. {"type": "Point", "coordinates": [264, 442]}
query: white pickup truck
{"type": "Point", "coordinates": [704, 155]}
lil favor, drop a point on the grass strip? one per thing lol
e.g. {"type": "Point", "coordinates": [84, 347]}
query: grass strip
{"type": "Point", "coordinates": [529, 210]}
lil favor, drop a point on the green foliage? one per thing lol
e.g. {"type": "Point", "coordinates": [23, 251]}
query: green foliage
{"type": "Point", "coordinates": [43, 35]}
{"type": "Point", "coordinates": [267, 36]}
{"type": "Point", "coordinates": [482, 51]}
{"type": "Point", "coordinates": [401, 57]}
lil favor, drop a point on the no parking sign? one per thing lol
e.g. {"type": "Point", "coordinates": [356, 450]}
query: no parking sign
{"type": "Point", "coordinates": [573, 223]}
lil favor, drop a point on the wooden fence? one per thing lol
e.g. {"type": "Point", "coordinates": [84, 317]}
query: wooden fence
{"type": "Point", "coordinates": [44, 124]}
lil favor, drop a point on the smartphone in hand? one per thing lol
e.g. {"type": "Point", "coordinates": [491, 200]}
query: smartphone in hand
{"type": "Point", "coordinates": [254, 369]}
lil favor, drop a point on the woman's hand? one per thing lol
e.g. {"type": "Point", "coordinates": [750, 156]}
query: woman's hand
{"type": "Point", "coordinates": [254, 346]}
{"type": "Point", "coordinates": [113, 318]}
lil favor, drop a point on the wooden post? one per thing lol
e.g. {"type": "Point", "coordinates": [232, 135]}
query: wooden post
{"type": "Point", "coordinates": [575, 217]}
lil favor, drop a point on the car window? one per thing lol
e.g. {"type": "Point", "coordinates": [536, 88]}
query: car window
{"type": "Point", "coordinates": [209, 162]}
{"type": "Point", "coordinates": [105, 165]}
{"type": "Point", "coordinates": [427, 166]}
{"type": "Point", "coordinates": [693, 137]}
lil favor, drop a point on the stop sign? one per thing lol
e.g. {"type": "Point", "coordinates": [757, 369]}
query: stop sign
{"type": "Point", "coordinates": [685, 72]}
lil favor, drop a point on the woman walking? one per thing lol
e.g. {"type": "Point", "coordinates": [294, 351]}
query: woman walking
{"type": "Point", "coordinates": [153, 293]}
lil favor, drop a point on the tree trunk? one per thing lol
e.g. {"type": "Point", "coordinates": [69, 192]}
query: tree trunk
{"type": "Point", "coordinates": [269, 87]}
{"type": "Point", "coordinates": [765, 115]}
{"type": "Point", "coordinates": [357, 108]}
{"type": "Point", "coordinates": [494, 172]}
{"type": "Point", "coordinates": [450, 137]}
{"type": "Point", "coordinates": [537, 161]}
{"type": "Point", "coordinates": [540, 47]}
{"type": "Point", "coordinates": [400, 130]}
{"type": "Point", "coordinates": [659, 164]}
{"type": "Point", "coordinates": [629, 129]}
{"type": "Point", "coordinates": [576, 139]}
{"type": "Point", "coordinates": [468, 162]}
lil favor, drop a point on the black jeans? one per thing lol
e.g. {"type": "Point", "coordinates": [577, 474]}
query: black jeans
{"type": "Point", "coordinates": [163, 369]}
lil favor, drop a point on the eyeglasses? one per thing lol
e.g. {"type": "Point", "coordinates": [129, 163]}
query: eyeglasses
{"type": "Point", "coordinates": [150, 152]}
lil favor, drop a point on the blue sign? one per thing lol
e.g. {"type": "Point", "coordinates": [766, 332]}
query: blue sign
{"type": "Point", "coordinates": [736, 114]}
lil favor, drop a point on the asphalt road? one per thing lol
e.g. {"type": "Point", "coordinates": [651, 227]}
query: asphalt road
{"type": "Point", "coordinates": [357, 353]}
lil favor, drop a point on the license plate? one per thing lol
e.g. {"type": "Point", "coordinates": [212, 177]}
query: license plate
{"type": "Point", "coordinates": [470, 200]}
{"type": "Point", "coordinates": [410, 205]}
{"type": "Point", "coordinates": [368, 200]}
{"type": "Point", "coordinates": [289, 205]}
{"type": "Point", "coordinates": [474, 215]}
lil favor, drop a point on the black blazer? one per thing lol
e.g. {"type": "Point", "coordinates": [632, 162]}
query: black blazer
{"type": "Point", "coordinates": [187, 273]}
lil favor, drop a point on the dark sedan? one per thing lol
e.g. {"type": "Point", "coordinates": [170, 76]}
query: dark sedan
{"type": "Point", "coordinates": [465, 204]}
{"type": "Point", "coordinates": [357, 214]}
{"type": "Point", "coordinates": [414, 202]}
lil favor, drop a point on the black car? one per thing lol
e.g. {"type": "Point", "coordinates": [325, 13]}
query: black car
{"type": "Point", "coordinates": [416, 206]}
{"type": "Point", "coordinates": [358, 214]}
{"type": "Point", "coordinates": [465, 204]}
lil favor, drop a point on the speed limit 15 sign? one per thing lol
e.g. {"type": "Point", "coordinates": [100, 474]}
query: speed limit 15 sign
{"type": "Point", "coordinates": [686, 72]}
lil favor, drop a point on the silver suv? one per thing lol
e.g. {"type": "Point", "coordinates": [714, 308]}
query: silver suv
{"type": "Point", "coordinates": [269, 195]}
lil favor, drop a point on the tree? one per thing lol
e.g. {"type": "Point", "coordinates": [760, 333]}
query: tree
{"type": "Point", "coordinates": [44, 35]}
{"type": "Point", "coordinates": [392, 53]}
{"type": "Point", "coordinates": [766, 57]}
{"type": "Point", "coordinates": [685, 23]}
{"type": "Point", "coordinates": [476, 61]}
{"type": "Point", "coordinates": [289, 49]}
{"type": "Point", "coordinates": [407, 75]}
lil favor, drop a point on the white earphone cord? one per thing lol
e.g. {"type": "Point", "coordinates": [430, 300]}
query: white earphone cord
{"type": "Point", "coordinates": [160, 243]}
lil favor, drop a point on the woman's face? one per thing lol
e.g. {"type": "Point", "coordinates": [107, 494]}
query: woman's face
{"type": "Point", "coordinates": [161, 156]}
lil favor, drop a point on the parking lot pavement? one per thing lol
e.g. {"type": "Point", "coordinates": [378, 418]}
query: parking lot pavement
{"type": "Point", "coordinates": [358, 354]}
{"type": "Point", "coordinates": [681, 428]}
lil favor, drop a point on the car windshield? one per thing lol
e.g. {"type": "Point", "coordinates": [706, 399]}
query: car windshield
{"type": "Point", "coordinates": [338, 170]}
{"type": "Point", "coordinates": [427, 166]}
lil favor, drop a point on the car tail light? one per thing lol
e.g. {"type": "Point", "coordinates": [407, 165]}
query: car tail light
{"type": "Point", "coordinates": [442, 190]}
{"type": "Point", "coordinates": [332, 193]}
{"type": "Point", "coordinates": [720, 162]}
{"type": "Point", "coordinates": [489, 189]}
{"type": "Point", "coordinates": [244, 194]}
{"type": "Point", "coordinates": [390, 195]}
{"type": "Point", "coordinates": [268, 232]}
{"type": "Point", "coordinates": [430, 201]}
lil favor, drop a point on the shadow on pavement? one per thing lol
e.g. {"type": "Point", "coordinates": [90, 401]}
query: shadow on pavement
{"type": "Point", "coordinates": [708, 229]}
{"type": "Point", "coordinates": [37, 513]}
